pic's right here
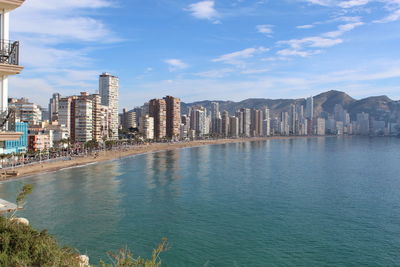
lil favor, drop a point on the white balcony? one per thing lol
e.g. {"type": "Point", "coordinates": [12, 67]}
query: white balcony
{"type": "Point", "coordinates": [9, 57]}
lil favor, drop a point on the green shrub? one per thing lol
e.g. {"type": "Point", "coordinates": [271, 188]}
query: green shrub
{"type": "Point", "coordinates": [21, 245]}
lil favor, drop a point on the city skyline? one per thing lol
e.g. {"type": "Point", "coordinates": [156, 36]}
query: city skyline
{"type": "Point", "coordinates": [210, 48]}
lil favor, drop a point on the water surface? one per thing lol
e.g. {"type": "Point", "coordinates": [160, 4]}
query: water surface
{"type": "Point", "coordinates": [300, 202]}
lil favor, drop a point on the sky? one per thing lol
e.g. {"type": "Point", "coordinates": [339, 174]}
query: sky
{"type": "Point", "coordinates": [212, 49]}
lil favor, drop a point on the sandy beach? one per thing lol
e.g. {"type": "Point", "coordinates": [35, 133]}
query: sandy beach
{"type": "Point", "coordinates": [110, 155]}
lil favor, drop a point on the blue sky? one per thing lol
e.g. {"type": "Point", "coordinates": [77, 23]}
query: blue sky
{"type": "Point", "coordinates": [217, 50]}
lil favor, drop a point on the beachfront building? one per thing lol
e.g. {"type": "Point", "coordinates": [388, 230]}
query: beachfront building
{"type": "Point", "coordinates": [321, 126]}
{"type": "Point", "coordinates": [53, 107]}
{"type": "Point", "coordinates": [16, 146]}
{"type": "Point", "coordinates": [158, 110]}
{"type": "Point", "coordinates": [147, 127]}
{"type": "Point", "coordinates": [26, 111]}
{"type": "Point", "coordinates": [109, 93]}
{"type": "Point", "coordinates": [85, 118]}
{"type": "Point", "coordinates": [198, 121]}
{"type": "Point", "coordinates": [128, 119]}
{"type": "Point", "coordinates": [40, 141]}
{"type": "Point", "coordinates": [173, 116]}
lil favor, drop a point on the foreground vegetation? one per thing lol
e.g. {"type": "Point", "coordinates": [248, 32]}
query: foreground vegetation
{"type": "Point", "coordinates": [23, 246]}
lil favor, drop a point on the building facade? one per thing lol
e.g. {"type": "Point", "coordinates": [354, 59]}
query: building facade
{"type": "Point", "coordinates": [173, 114]}
{"type": "Point", "coordinates": [158, 110]}
{"type": "Point", "coordinates": [109, 93]}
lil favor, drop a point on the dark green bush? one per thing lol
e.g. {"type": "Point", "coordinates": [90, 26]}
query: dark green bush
{"type": "Point", "coordinates": [21, 245]}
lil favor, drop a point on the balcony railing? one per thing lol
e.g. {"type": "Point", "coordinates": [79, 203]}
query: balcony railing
{"type": "Point", "coordinates": [7, 120]}
{"type": "Point", "coordinates": [9, 52]}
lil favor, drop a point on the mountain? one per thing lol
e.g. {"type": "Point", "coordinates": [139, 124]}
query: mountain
{"type": "Point", "coordinates": [380, 107]}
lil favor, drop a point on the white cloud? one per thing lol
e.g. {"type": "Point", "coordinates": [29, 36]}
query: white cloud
{"type": "Point", "coordinates": [176, 64]}
{"type": "Point", "coordinates": [353, 3]}
{"type": "Point", "coordinates": [308, 26]}
{"type": "Point", "coordinates": [301, 47]}
{"type": "Point", "coordinates": [315, 41]}
{"type": "Point", "coordinates": [48, 30]}
{"type": "Point", "coordinates": [394, 16]}
{"type": "Point", "coordinates": [236, 58]}
{"type": "Point", "coordinates": [217, 73]}
{"type": "Point", "coordinates": [300, 53]}
{"type": "Point", "coordinates": [342, 29]}
{"type": "Point", "coordinates": [204, 10]}
{"type": "Point", "coordinates": [255, 71]}
{"type": "Point", "coordinates": [342, 4]}
{"type": "Point", "coordinates": [265, 29]}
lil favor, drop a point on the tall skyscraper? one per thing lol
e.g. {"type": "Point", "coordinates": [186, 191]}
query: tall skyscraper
{"type": "Point", "coordinates": [53, 107]}
{"type": "Point", "coordinates": [310, 108]}
{"type": "Point", "coordinates": [321, 126]}
{"type": "Point", "coordinates": [246, 121]}
{"type": "Point", "coordinates": [216, 122]}
{"type": "Point", "coordinates": [173, 116]}
{"type": "Point", "coordinates": [225, 124]}
{"type": "Point", "coordinates": [234, 127]}
{"type": "Point", "coordinates": [198, 120]}
{"type": "Point", "coordinates": [83, 119]}
{"type": "Point", "coordinates": [109, 93]}
{"type": "Point", "coordinates": [128, 119]}
{"type": "Point", "coordinates": [158, 110]}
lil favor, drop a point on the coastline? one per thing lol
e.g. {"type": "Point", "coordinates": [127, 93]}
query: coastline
{"type": "Point", "coordinates": [139, 150]}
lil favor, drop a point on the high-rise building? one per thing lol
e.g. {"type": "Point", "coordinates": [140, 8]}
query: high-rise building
{"type": "Point", "coordinates": [128, 119]}
{"type": "Point", "coordinates": [256, 122]}
{"type": "Point", "coordinates": [53, 107]}
{"type": "Point", "coordinates": [65, 113]}
{"type": "Point", "coordinates": [363, 124]}
{"type": "Point", "coordinates": [284, 125]}
{"type": "Point", "coordinates": [310, 108]}
{"type": "Point", "coordinates": [26, 111]}
{"type": "Point", "coordinates": [267, 122]}
{"type": "Point", "coordinates": [246, 121]}
{"type": "Point", "coordinates": [173, 116]}
{"type": "Point", "coordinates": [225, 124]}
{"type": "Point", "coordinates": [158, 110]}
{"type": "Point", "coordinates": [199, 121]}
{"type": "Point", "coordinates": [240, 116]}
{"type": "Point", "coordinates": [216, 122]}
{"type": "Point", "coordinates": [147, 127]}
{"type": "Point", "coordinates": [234, 126]}
{"type": "Point", "coordinates": [321, 127]}
{"type": "Point", "coordinates": [84, 119]}
{"type": "Point", "coordinates": [109, 93]}
{"type": "Point", "coordinates": [73, 113]}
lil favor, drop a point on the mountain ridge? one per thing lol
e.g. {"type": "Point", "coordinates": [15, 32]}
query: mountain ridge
{"type": "Point", "coordinates": [380, 107]}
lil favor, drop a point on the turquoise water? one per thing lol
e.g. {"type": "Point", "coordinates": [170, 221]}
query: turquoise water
{"type": "Point", "coordinates": [302, 202]}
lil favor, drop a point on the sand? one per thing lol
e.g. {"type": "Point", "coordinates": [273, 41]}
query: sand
{"type": "Point", "coordinates": [111, 155]}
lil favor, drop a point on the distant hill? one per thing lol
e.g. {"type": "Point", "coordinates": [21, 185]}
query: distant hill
{"type": "Point", "coordinates": [380, 107]}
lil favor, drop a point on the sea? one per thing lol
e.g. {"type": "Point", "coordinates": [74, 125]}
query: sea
{"type": "Point", "coordinates": [329, 201]}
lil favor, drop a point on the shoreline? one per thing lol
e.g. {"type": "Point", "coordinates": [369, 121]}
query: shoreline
{"type": "Point", "coordinates": [49, 167]}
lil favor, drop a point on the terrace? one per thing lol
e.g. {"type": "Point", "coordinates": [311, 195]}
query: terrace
{"type": "Point", "coordinates": [9, 57]}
